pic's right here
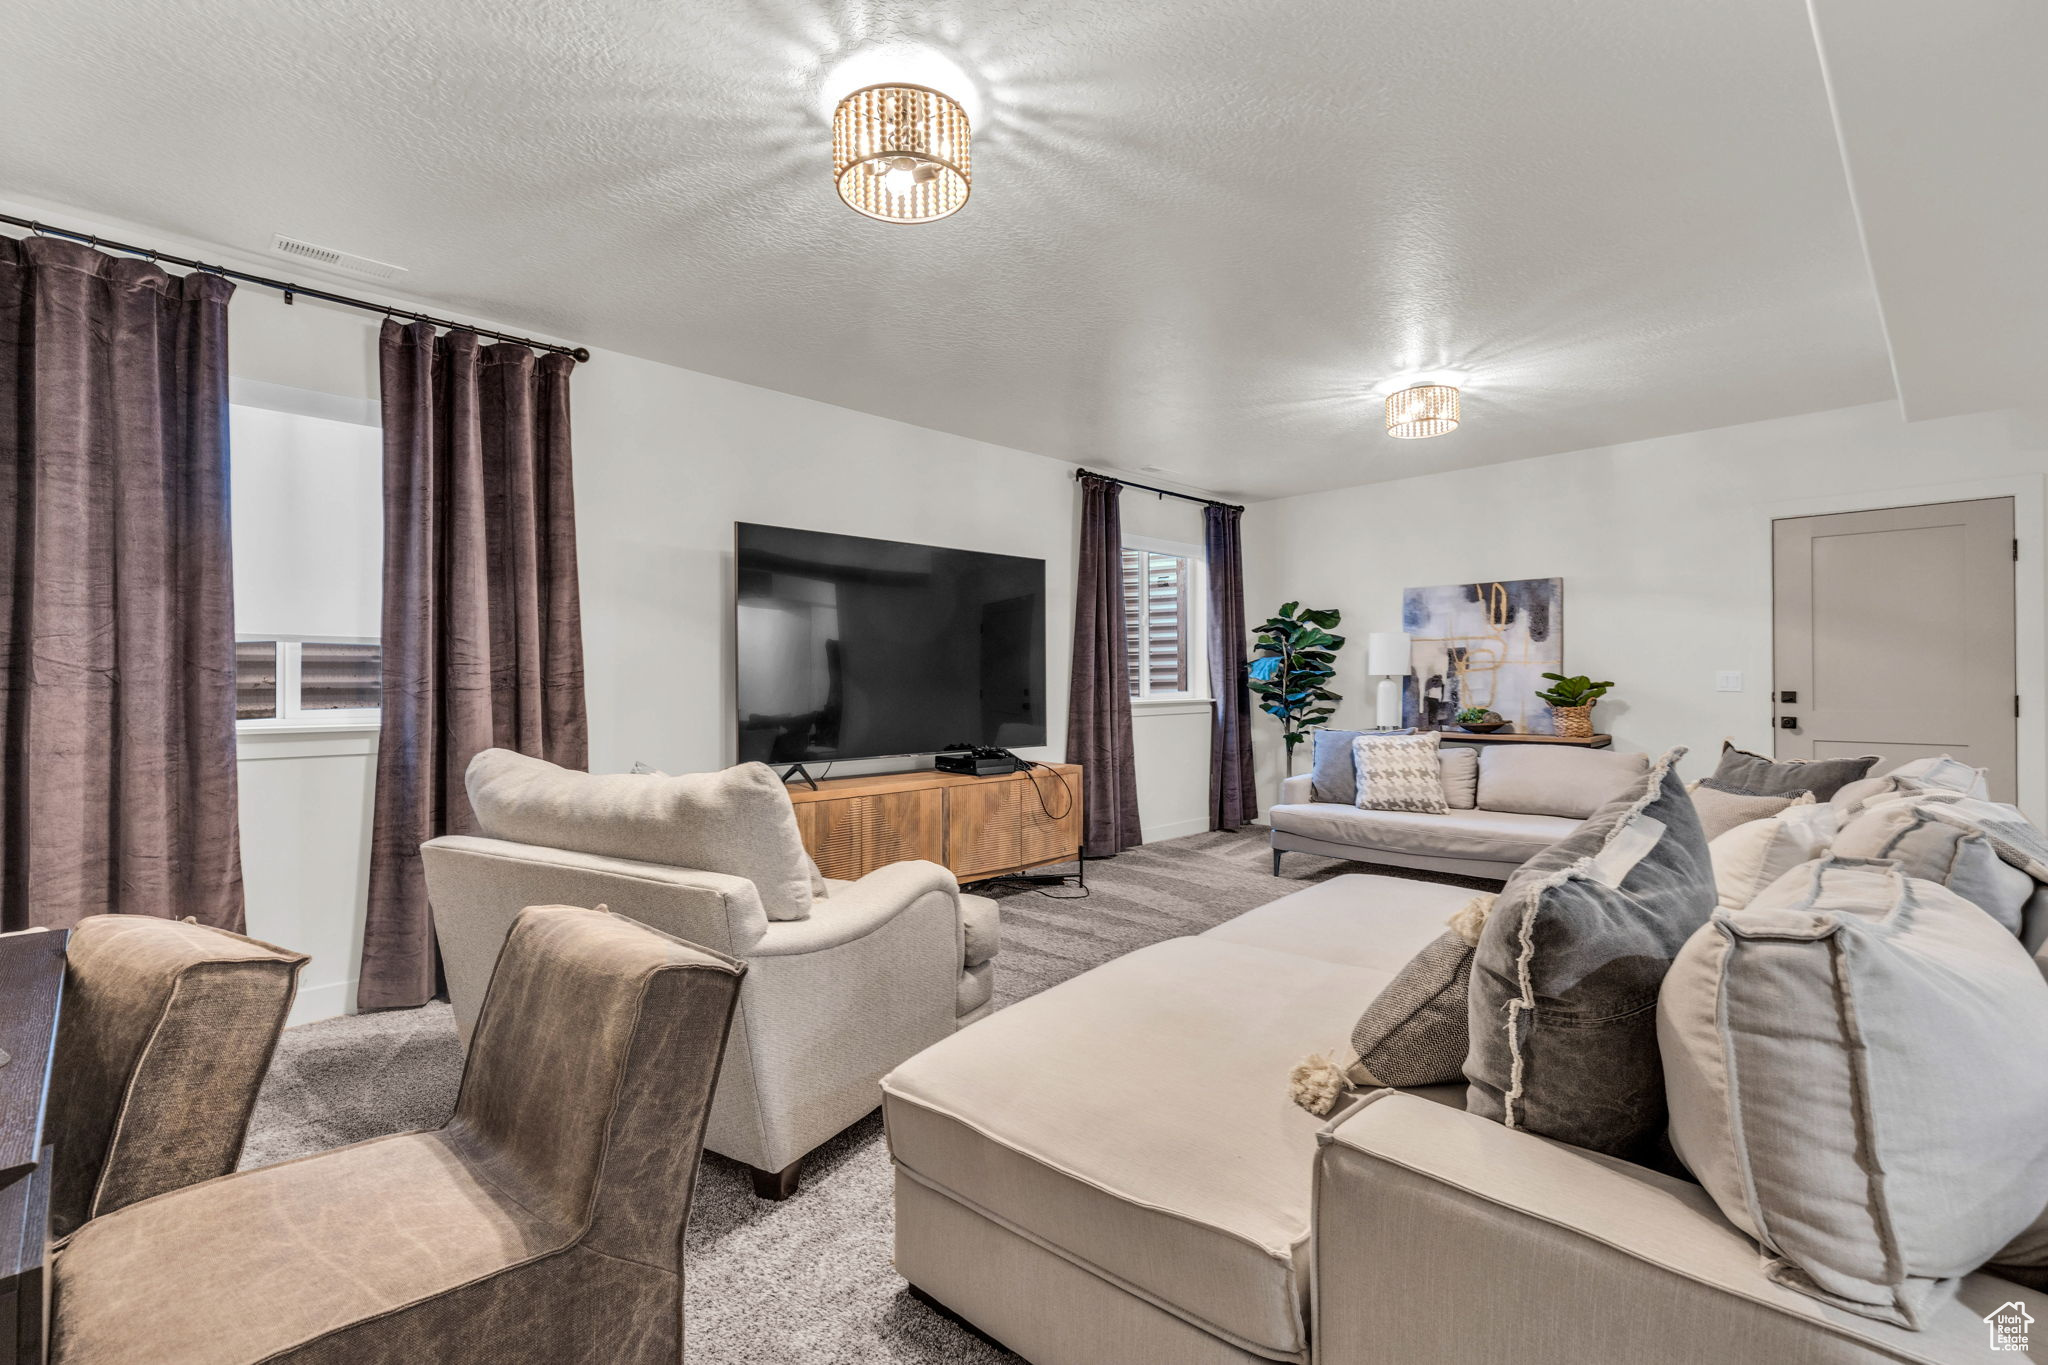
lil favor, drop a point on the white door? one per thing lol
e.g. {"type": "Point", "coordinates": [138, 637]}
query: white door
{"type": "Point", "coordinates": [1894, 636]}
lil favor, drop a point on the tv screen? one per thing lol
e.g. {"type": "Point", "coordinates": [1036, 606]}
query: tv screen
{"type": "Point", "coordinates": [857, 648]}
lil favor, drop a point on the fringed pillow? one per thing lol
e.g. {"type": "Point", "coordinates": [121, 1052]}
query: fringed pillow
{"type": "Point", "coordinates": [1414, 1032]}
{"type": "Point", "coordinates": [1565, 978]}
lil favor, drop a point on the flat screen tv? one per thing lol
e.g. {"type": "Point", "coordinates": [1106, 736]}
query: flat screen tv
{"type": "Point", "coordinates": [856, 648]}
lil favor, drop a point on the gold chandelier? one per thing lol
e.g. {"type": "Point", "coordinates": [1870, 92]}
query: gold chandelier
{"type": "Point", "coordinates": [1423, 410]}
{"type": "Point", "coordinates": [899, 153]}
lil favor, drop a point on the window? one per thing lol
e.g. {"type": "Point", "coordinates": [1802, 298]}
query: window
{"type": "Point", "coordinates": [308, 541]}
{"type": "Point", "coordinates": [1159, 627]}
{"type": "Point", "coordinates": [308, 682]}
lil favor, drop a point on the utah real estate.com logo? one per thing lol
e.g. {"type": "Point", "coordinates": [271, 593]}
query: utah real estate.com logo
{"type": "Point", "coordinates": [2008, 1326]}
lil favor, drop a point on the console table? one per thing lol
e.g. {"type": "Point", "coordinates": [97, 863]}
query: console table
{"type": "Point", "coordinates": [32, 985]}
{"type": "Point", "coordinates": [977, 826]}
{"type": "Point", "coordinates": [1586, 742]}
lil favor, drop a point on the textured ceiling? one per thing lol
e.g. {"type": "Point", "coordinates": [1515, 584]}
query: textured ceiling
{"type": "Point", "coordinates": [1203, 234]}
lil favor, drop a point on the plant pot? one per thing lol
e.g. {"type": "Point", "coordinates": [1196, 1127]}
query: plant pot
{"type": "Point", "coordinates": [1482, 727]}
{"type": "Point", "coordinates": [1573, 722]}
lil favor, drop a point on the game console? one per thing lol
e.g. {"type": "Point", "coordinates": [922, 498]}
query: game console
{"type": "Point", "coordinates": [980, 761]}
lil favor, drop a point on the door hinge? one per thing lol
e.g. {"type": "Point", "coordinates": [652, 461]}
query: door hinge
{"type": "Point", "coordinates": [2015, 705]}
{"type": "Point", "coordinates": [2015, 549]}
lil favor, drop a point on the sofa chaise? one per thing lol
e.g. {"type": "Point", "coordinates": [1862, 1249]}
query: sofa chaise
{"type": "Point", "coordinates": [1113, 1170]}
{"type": "Point", "coordinates": [1507, 804]}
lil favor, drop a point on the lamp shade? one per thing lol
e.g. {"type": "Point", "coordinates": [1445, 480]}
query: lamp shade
{"type": "Point", "coordinates": [1386, 654]}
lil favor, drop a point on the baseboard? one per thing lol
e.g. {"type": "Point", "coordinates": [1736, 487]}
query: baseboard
{"type": "Point", "coordinates": [329, 1001]}
{"type": "Point", "coordinates": [1177, 829]}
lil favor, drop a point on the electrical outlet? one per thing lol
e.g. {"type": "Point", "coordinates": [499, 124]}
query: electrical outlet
{"type": "Point", "coordinates": [1728, 680]}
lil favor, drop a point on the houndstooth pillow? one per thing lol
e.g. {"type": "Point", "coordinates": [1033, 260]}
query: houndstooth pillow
{"type": "Point", "coordinates": [1399, 772]}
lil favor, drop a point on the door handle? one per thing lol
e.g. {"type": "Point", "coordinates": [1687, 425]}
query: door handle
{"type": "Point", "coordinates": [1788, 722]}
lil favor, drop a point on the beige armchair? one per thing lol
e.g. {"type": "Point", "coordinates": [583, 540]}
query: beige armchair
{"type": "Point", "coordinates": [544, 1222]}
{"type": "Point", "coordinates": [846, 979]}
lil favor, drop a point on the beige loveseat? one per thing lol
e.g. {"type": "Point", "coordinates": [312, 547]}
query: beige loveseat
{"type": "Point", "coordinates": [1507, 804]}
{"type": "Point", "coordinates": [1112, 1170]}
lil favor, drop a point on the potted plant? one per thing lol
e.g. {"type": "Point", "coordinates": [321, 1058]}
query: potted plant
{"type": "Point", "coordinates": [1571, 702]}
{"type": "Point", "coordinates": [1295, 655]}
{"type": "Point", "coordinates": [1480, 720]}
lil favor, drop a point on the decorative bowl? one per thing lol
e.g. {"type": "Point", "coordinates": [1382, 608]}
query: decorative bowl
{"type": "Point", "coordinates": [1482, 727]}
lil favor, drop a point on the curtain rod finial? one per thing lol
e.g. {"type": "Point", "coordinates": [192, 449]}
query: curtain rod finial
{"type": "Point", "coordinates": [580, 355]}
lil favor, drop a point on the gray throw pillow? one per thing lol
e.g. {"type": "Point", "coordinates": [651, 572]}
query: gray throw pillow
{"type": "Point", "coordinates": [1750, 772]}
{"type": "Point", "coordinates": [1416, 1031]}
{"type": "Point", "coordinates": [1332, 774]}
{"type": "Point", "coordinates": [1460, 764]}
{"type": "Point", "coordinates": [1565, 978]}
{"type": "Point", "coordinates": [1857, 1068]}
{"type": "Point", "coordinates": [1722, 807]}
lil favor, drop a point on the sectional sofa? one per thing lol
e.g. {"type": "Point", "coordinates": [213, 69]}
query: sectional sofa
{"type": "Point", "coordinates": [1112, 1170]}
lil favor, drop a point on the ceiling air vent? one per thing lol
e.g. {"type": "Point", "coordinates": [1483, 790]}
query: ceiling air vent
{"type": "Point", "coordinates": [328, 257]}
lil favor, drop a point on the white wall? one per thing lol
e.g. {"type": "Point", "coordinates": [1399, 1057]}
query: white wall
{"type": "Point", "coordinates": [1664, 547]}
{"type": "Point", "coordinates": [666, 461]}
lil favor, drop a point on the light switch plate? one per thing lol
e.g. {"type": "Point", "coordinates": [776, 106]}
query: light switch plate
{"type": "Point", "coordinates": [1728, 680]}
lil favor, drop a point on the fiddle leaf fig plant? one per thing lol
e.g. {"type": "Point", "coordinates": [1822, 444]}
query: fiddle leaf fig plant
{"type": "Point", "coordinates": [1294, 658]}
{"type": "Point", "coordinates": [1579, 690]}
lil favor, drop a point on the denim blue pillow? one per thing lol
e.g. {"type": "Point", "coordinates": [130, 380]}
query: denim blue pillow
{"type": "Point", "coordinates": [1332, 774]}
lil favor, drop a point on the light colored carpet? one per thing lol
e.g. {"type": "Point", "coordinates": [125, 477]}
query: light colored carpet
{"type": "Point", "coordinates": [807, 1281]}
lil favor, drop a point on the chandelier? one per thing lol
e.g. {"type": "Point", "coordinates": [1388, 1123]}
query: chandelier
{"type": "Point", "coordinates": [1423, 410]}
{"type": "Point", "coordinates": [899, 153]}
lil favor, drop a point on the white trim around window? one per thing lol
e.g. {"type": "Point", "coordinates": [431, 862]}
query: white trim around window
{"type": "Point", "coordinates": [1195, 642]}
{"type": "Point", "coordinates": [294, 718]}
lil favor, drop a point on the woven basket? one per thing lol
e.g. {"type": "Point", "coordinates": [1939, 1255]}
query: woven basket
{"type": "Point", "coordinates": [1573, 722]}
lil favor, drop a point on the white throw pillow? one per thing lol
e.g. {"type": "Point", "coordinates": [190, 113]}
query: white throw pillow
{"type": "Point", "coordinates": [739, 822]}
{"type": "Point", "coordinates": [1857, 1070]}
{"type": "Point", "coordinates": [1751, 856]}
{"type": "Point", "coordinates": [820, 888]}
{"type": "Point", "coordinates": [1399, 772]}
{"type": "Point", "coordinates": [1941, 773]}
{"type": "Point", "coordinates": [1909, 831]}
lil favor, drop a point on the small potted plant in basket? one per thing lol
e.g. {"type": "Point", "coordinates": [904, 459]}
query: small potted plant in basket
{"type": "Point", "coordinates": [1479, 720]}
{"type": "Point", "coordinates": [1571, 703]}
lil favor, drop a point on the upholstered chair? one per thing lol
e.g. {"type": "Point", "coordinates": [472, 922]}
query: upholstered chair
{"type": "Point", "coordinates": [848, 979]}
{"type": "Point", "coordinates": [543, 1223]}
{"type": "Point", "coordinates": [166, 1032]}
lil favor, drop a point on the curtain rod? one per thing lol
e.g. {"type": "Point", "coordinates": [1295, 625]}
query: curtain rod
{"type": "Point", "coordinates": [1162, 492]}
{"type": "Point", "coordinates": [289, 289]}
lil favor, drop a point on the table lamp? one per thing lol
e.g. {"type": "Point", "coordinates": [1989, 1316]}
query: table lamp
{"type": "Point", "coordinates": [1387, 658]}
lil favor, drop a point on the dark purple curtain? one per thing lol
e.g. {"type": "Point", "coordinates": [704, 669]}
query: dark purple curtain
{"type": "Point", "coordinates": [117, 617]}
{"type": "Point", "coordinates": [1233, 795]}
{"type": "Point", "coordinates": [1099, 695]}
{"type": "Point", "coordinates": [483, 636]}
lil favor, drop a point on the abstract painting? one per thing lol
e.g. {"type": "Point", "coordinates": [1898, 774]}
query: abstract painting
{"type": "Point", "coordinates": [1482, 644]}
